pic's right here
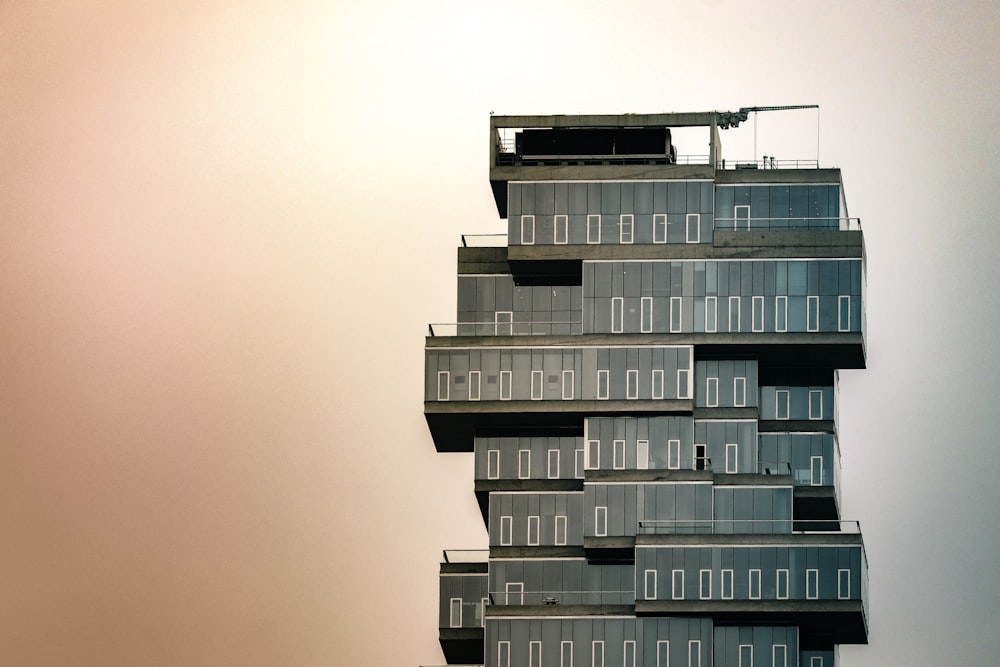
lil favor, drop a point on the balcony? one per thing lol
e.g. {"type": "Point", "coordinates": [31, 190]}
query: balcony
{"type": "Point", "coordinates": [464, 587]}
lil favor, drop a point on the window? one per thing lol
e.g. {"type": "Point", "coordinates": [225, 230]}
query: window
{"type": "Point", "coordinates": [754, 586]}
{"type": "Point", "coordinates": [694, 653]}
{"type": "Point", "coordinates": [603, 383]}
{"type": "Point", "coordinates": [657, 389]}
{"type": "Point", "coordinates": [659, 228]}
{"type": "Point", "coordinates": [482, 611]}
{"type": "Point", "coordinates": [515, 592]}
{"type": "Point", "coordinates": [701, 457]}
{"type": "Point", "coordinates": [675, 314]}
{"type": "Point", "coordinates": [455, 616]}
{"type": "Point", "coordinates": [536, 385]}
{"type": "Point", "coordinates": [632, 388]}
{"type": "Point", "coordinates": [746, 655]}
{"type": "Point", "coordinates": [504, 385]}
{"type": "Point", "coordinates": [565, 654]}
{"type": "Point", "coordinates": [742, 219]}
{"type": "Point", "coordinates": [527, 230]}
{"type": "Point", "coordinates": [617, 304]}
{"type": "Point", "coordinates": [739, 392]}
{"type": "Point", "coordinates": [734, 314]}
{"type": "Point", "coordinates": [781, 404]}
{"type": "Point", "coordinates": [779, 656]}
{"type": "Point", "coordinates": [601, 521]}
{"type": "Point", "coordinates": [705, 584]}
{"type": "Point", "coordinates": [843, 584]}
{"type": "Point", "coordinates": [646, 314]}
{"type": "Point", "coordinates": [629, 653]}
{"type": "Point", "coordinates": [815, 471]}
{"type": "Point", "coordinates": [650, 584]}
{"type": "Point", "coordinates": [757, 311]}
{"type": "Point", "coordinates": [560, 530]}
{"type": "Point", "coordinates": [642, 455]}
{"type": "Point", "coordinates": [732, 458]}
{"type": "Point", "coordinates": [693, 227]}
{"type": "Point", "coordinates": [677, 584]}
{"type": "Point", "coordinates": [782, 584]}
{"type": "Point", "coordinates": [474, 385]}
{"type": "Point", "coordinates": [812, 313]}
{"type": "Point", "coordinates": [553, 467]}
{"type": "Point", "coordinates": [618, 462]}
{"type": "Point", "coordinates": [578, 463]}
{"type": "Point", "coordinates": [506, 525]}
{"type": "Point", "coordinates": [567, 385]}
{"type": "Point", "coordinates": [815, 404]}
{"type": "Point", "coordinates": [444, 379]}
{"type": "Point", "coordinates": [712, 392]}
{"type": "Point", "coordinates": [533, 531]}
{"type": "Point", "coordinates": [674, 454]}
{"type": "Point", "coordinates": [503, 654]}
{"type": "Point", "coordinates": [843, 313]}
{"type": "Point", "coordinates": [493, 464]}
{"type": "Point", "coordinates": [593, 454]}
{"type": "Point", "coordinates": [812, 584]}
{"type": "Point", "coordinates": [523, 463]}
{"type": "Point", "coordinates": [663, 653]}
{"type": "Point", "coordinates": [625, 229]}
{"type": "Point", "coordinates": [561, 230]}
{"type": "Point", "coordinates": [593, 229]}
{"type": "Point", "coordinates": [502, 323]}
{"type": "Point", "coordinates": [727, 584]}
{"type": "Point", "coordinates": [711, 313]}
{"type": "Point", "coordinates": [534, 654]}
{"type": "Point", "coordinates": [781, 313]}
{"type": "Point", "coordinates": [597, 653]}
{"type": "Point", "coordinates": [683, 384]}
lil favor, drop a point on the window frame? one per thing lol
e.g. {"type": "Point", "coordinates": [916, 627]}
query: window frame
{"type": "Point", "coordinates": [711, 306]}
{"type": "Point", "coordinates": [475, 383]}
{"type": "Point", "coordinates": [527, 230]}
{"type": "Point", "coordinates": [676, 314]}
{"type": "Point", "coordinates": [601, 521]}
{"type": "Point", "coordinates": [657, 218]}
{"type": "Point", "coordinates": [696, 217]}
{"type": "Point", "coordinates": [506, 526]}
{"type": "Point", "coordinates": [523, 471]}
{"type": "Point", "coordinates": [560, 221]}
{"type": "Point", "coordinates": [677, 584]}
{"type": "Point", "coordinates": [618, 455]}
{"type": "Point", "coordinates": [626, 221]}
{"type": "Point", "coordinates": [446, 393]}
{"type": "Point", "coordinates": [537, 385]}
{"type": "Point", "coordinates": [646, 314]}
{"type": "Point", "coordinates": [781, 314]}
{"type": "Point", "coordinates": [757, 314]}
{"type": "Point", "coordinates": [552, 471]}
{"type": "Point", "coordinates": [617, 314]}
{"type": "Point", "coordinates": [593, 218]}
{"type": "Point", "coordinates": [495, 474]}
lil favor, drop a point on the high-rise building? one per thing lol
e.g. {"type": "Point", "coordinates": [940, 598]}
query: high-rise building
{"type": "Point", "coordinates": [646, 370]}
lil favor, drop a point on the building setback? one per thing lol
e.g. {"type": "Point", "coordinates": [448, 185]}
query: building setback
{"type": "Point", "coordinates": [646, 371]}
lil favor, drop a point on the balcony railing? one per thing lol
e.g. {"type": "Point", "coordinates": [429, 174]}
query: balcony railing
{"type": "Point", "coordinates": [504, 328]}
{"type": "Point", "coordinates": [602, 597]}
{"type": "Point", "coordinates": [484, 240]}
{"type": "Point", "coordinates": [768, 162]}
{"type": "Point", "coordinates": [466, 555]}
{"type": "Point", "coordinates": [787, 224]}
{"type": "Point", "coordinates": [746, 526]}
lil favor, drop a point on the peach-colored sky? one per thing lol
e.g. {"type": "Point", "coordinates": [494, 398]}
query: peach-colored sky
{"type": "Point", "coordinates": [225, 225]}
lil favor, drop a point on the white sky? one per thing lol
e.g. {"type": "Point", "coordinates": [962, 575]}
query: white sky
{"type": "Point", "coordinates": [226, 224]}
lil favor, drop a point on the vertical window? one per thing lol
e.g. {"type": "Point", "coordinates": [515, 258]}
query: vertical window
{"type": "Point", "coordinates": [675, 314]}
{"type": "Point", "coordinates": [812, 313]}
{"type": "Point", "coordinates": [781, 404]}
{"type": "Point", "coordinates": [711, 314]}
{"type": "Point", "coordinates": [617, 304]}
{"type": "Point", "coordinates": [482, 611]}
{"type": "Point", "coordinates": [754, 585]}
{"type": "Point", "coordinates": [553, 467]}
{"type": "Point", "coordinates": [674, 454]}
{"type": "Point", "coordinates": [503, 654]}
{"type": "Point", "coordinates": [693, 227]}
{"type": "Point", "coordinates": [515, 592]}
{"type": "Point", "coordinates": [506, 525]}
{"type": "Point", "coordinates": [533, 531]}
{"type": "Point", "coordinates": [504, 385]}
{"type": "Point", "coordinates": [659, 228]}
{"type": "Point", "coordinates": [739, 392]}
{"type": "Point", "coordinates": [593, 454]}
{"type": "Point", "coordinates": [650, 584]}
{"type": "Point", "coordinates": [597, 653]}
{"type": "Point", "coordinates": [705, 584]}
{"type": "Point", "coordinates": [527, 230]}
{"type": "Point", "coordinates": [536, 385]}
{"type": "Point", "coordinates": [742, 221]}
{"type": "Point", "coordinates": [694, 653]}
{"type": "Point", "coordinates": [632, 382]}
{"type": "Point", "coordinates": [746, 655]}
{"type": "Point", "coordinates": [561, 230]}
{"type": "Point", "coordinates": [683, 384]}
{"type": "Point", "coordinates": [567, 385]}
{"type": "Point", "coordinates": [625, 228]}
{"type": "Point", "coordinates": [712, 392]}
{"type": "Point", "coordinates": [601, 521]}
{"type": "Point", "coordinates": [474, 383]}
{"type": "Point", "coordinates": [734, 314]}
{"type": "Point", "coordinates": [815, 471]}
{"type": "Point", "coordinates": [642, 455]}
{"type": "Point", "coordinates": [503, 322]}
{"type": "Point", "coordinates": [663, 653]}
{"type": "Point", "coordinates": [677, 584]}
{"type": "Point", "coordinates": [812, 584]}
{"type": "Point", "coordinates": [732, 458]}
{"type": "Point", "coordinates": [657, 389]}
{"type": "Point", "coordinates": [629, 653]}
{"type": "Point", "coordinates": [781, 313]}
{"type": "Point", "coordinates": [815, 404]}
{"type": "Point", "coordinates": [781, 577]}
{"type": "Point", "coordinates": [843, 313]}
{"type": "Point", "coordinates": [565, 654]}
{"type": "Point", "coordinates": [700, 457]}
{"type": "Point", "coordinates": [618, 462]}
{"type": "Point", "coordinates": [780, 655]}
{"type": "Point", "coordinates": [535, 654]}
{"type": "Point", "coordinates": [523, 463]}
{"type": "Point", "coordinates": [560, 530]}
{"type": "Point", "coordinates": [493, 464]}
{"type": "Point", "coordinates": [603, 383]}
{"type": "Point", "coordinates": [593, 229]}
{"type": "Point", "coordinates": [578, 463]}
{"type": "Point", "coordinates": [444, 379]}
{"type": "Point", "coordinates": [727, 584]}
{"type": "Point", "coordinates": [455, 617]}
{"type": "Point", "coordinates": [646, 314]}
{"type": "Point", "coordinates": [843, 584]}
{"type": "Point", "coordinates": [757, 312]}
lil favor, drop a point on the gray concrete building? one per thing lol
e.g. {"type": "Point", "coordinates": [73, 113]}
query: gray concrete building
{"type": "Point", "coordinates": [646, 368]}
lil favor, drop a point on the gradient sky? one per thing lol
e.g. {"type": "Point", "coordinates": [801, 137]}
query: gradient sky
{"type": "Point", "coordinates": [226, 223]}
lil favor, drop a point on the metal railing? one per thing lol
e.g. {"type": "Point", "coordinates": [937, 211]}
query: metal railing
{"type": "Point", "coordinates": [484, 240]}
{"type": "Point", "coordinates": [746, 526]}
{"type": "Point", "coordinates": [768, 162]}
{"type": "Point", "coordinates": [787, 224]}
{"type": "Point", "coordinates": [435, 329]}
{"type": "Point", "coordinates": [602, 597]}
{"type": "Point", "coordinates": [466, 555]}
